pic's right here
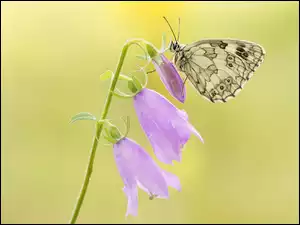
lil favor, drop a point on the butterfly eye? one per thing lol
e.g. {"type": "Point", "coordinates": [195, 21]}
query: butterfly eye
{"type": "Point", "coordinates": [230, 65]}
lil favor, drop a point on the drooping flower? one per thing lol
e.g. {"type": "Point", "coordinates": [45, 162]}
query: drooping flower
{"type": "Point", "coordinates": [170, 77]}
{"type": "Point", "coordinates": [168, 73]}
{"type": "Point", "coordinates": [166, 127]}
{"type": "Point", "coordinates": [137, 169]}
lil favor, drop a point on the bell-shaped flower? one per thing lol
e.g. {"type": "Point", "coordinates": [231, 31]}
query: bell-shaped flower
{"type": "Point", "coordinates": [168, 73]}
{"type": "Point", "coordinates": [166, 127]}
{"type": "Point", "coordinates": [138, 169]}
{"type": "Point", "coordinates": [170, 77]}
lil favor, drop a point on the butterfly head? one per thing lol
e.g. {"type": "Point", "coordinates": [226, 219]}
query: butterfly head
{"type": "Point", "coordinates": [174, 46]}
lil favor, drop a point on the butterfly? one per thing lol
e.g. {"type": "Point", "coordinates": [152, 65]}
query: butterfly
{"type": "Point", "coordinates": [217, 68]}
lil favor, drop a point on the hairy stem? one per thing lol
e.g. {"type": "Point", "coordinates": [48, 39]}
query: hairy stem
{"type": "Point", "coordinates": [99, 128]}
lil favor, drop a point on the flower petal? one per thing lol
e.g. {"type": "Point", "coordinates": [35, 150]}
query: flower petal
{"type": "Point", "coordinates": [135, 165]}
{"type": "Point", "coordinates": [150, 193]}
{"type": "Point", "coordinates": [184, 115]}
{"type": "Point", "coordinates": [123, 158]}
{"type": "Point", "coordinates": [166, 127]}
{"type": "Point", "coordinates": [132, 204]}
{"type": "Point", "coordinates": [193, 129]}
{"type": "Point", "coordinates": [137, 168]}
{"type": "Point", "coordinates": [170, 77]}
{"type": "Point", "coordinates": [172, 180]}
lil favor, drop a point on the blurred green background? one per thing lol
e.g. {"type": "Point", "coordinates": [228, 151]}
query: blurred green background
{"type": "Point", "coordinates": [52, 56]}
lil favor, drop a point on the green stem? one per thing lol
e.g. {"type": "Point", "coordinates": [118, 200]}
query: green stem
{"type": "Point", "coordinates": [99, 128]}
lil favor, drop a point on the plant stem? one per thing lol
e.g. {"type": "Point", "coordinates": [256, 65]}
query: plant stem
{"type": "Point", "coordinates": [99, 128]}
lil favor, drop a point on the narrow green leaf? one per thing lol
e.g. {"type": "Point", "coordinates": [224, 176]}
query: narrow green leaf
{"type": "Point", "coordinates": [131, 86]}
{"type": "Point", "coordinates": [106, 75]}
{"type": "Point", "coordinates": [122, 95]}
{"type": "Point", "coordinates": [83, 116]}
{"type": "Point", "coordinates": [137, 83]}
{"type": "Point", "coordinates": [151, 50]}
{"type": "Point", "coordinates": [127, 125]}
{"type": "Point", "coordinates": [143, 57]}
{"type": "Point", "coordinates": [124, 77]}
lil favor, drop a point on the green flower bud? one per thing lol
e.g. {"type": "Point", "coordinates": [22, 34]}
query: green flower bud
{"type": "Point", "coordinates": [114, 132]}
{"type": "Point", "coordinates": [135, 85]}
{"type": "Point", "coordinates": [132, 87]}
{"type": "Point", "coordinates": [151, 50]}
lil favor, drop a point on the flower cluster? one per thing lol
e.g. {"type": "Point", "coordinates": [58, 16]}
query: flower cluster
{"type": "Point", "coordinates": [167, 129]}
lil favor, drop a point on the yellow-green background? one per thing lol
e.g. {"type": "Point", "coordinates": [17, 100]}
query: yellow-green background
{"type": "Point", "coordinates": [52, 54]}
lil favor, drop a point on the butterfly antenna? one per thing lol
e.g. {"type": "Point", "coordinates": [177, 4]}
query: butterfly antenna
{"type": "Point", "coordinates": [178, 29]}
{"type": "Point", "coordinates": [170, 28]}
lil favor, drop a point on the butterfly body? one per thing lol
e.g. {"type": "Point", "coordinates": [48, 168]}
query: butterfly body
{"type": "Point", "coordinates": [218, 68]}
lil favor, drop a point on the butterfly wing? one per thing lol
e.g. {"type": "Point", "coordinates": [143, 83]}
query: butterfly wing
{"type": "Point", "coordinates": [219, 69]}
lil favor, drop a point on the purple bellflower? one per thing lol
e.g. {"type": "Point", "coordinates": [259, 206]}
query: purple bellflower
{"type": "Point", "coordinates": [168, 73]}
{"type": "Point", "coordinates": [166, 127]}
{"type": "Point", "coordinates": [170, 77]}
{"type": "Point", "coordinates": [137, 169]}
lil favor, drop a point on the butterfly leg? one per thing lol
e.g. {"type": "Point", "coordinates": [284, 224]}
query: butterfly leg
{"type": "Point", "coordinates": [185, 79]}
